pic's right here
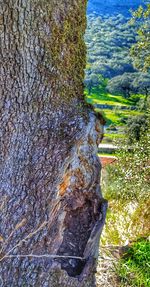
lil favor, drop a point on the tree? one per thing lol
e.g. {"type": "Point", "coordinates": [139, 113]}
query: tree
{"type": "Point", "coordinates": [136, 127]}
{"type": "Point", "coordinates": [141, 85]}
{"type": "Point", "coordinates": [52, 211]}
{"type": "Point", "coordinates": [95, 80]}
{"type": "Point", "coordinates": [140, 51]}
{"type": "Point", "coordinates": [130, 83]}
{"type": "Point", "coordinates": [121, 85]}
{"type": "Point", "coordinates": [129, 178]}
{"type": "Point", "coordinates": [92, 81]}
{"type": "Point", "coordinates": [108, 43]}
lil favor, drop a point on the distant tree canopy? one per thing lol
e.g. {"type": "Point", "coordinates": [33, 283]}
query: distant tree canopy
{"type": "Point", "coordinates": [113, 44]}
{"type": "Point", "coordinates": [118, 61]}
{"type": "Point", "coordinates": [141, 83]}
{"type": "Point", "coordinates": [121, 85]}
{"type": "Point", "coordinates": [108, 41]}
{"type": "Point", "coordinates": [140, 51]}
{"type": "Point", "coordinates": [129, 83]}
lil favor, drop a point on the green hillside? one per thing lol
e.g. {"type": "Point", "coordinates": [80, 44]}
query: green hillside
{"type": "Point", "coordinates": [112, 84]}
{"type": "Point", "coordinates": [117, 84]}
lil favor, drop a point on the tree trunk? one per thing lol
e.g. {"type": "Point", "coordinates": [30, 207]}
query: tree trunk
{"type": "Point", "coordinates": [52, 211]}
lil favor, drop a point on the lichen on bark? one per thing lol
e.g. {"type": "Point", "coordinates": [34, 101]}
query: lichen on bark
{"type": "Point", "coordinates": [52, 210]}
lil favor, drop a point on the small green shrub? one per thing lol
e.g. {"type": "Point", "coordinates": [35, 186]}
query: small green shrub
{"type": "Point", "coordinates": [136, 126]}
{"type": "Point", "coordinates": [129, 177]}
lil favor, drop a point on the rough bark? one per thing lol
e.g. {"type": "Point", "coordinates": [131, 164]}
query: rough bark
{"type": "Point", "coordinates": [51, 208]}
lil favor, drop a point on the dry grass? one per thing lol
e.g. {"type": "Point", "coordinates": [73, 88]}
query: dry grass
{"type": "Point", "coordinates": [106, 276]}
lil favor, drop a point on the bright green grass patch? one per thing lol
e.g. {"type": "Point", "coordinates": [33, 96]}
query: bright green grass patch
{"type": "Point", "coordinates": [94, 100]}
{"type": "Point", "coordinates": [114, 135]}
{"type": "Point", "coordinates": [99, 96]}
{"type": "Point", "coordinates": [118, 118]}
{"type": "Point", "coordinates": [113, 138]}
{"type": "Point", "coordinates": [134, 269]}
{"type": "Point", "coordinates": [111, 117]}
{"type": "Point", "coordinates": [107, 99]}
{"type": "Point", "coordinates": [115, 116]}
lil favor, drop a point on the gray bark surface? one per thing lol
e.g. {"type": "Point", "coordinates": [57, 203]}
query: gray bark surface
{"type": "Point", "coordinates": [51, 208]}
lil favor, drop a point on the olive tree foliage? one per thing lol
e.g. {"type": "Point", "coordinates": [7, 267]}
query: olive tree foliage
{"type": "Point", "coordinates": [140, 51]}
{"type": "Point", "coordinates": [130, 83]}
{"type": "Point", "coordinates": [93, 81]}
{"type": "Point", "coordinates": [108, 40]}
{"type": "Point", "coordinates": [121, 85]}
{"type": "Point", "coordinates": [136, 127]}
{"type": "Point", "coordinates": [141, 85]}
{"type": "Point", "coordinates": [129, 178]}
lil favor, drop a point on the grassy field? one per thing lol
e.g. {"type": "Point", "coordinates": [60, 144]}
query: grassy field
{"type": "Point", "coordinates": [114, 136]}
{"type": "Point", "coordinates": [115, 117]}
{"type": "Point", "coordinates": [118, 117]}
{"type": "Point", "coordinates": [99, 96]}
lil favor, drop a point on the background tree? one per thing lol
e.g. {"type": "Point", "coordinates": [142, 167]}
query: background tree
{"type": "Point", "coordinates": [140, 51]}
{"type": "Point", "coordinates": [129, 178]}
{"type": "Point", "coordinates": [109, 39]}
{"type": "Point", "coordinates": [52, 211]}
{"type": "Point", "coordinates": [95, 81]}
{"type": "Point", "coordinates": [136, 127]}
{"type": "Point", "coordinates": [91, 82]}
{"type": "Point", "coordinates": [121, 85]}
{"type": "Point", "coordinates": [130, 83]}
{"type": "Point", "coordinates": [141, 85]}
